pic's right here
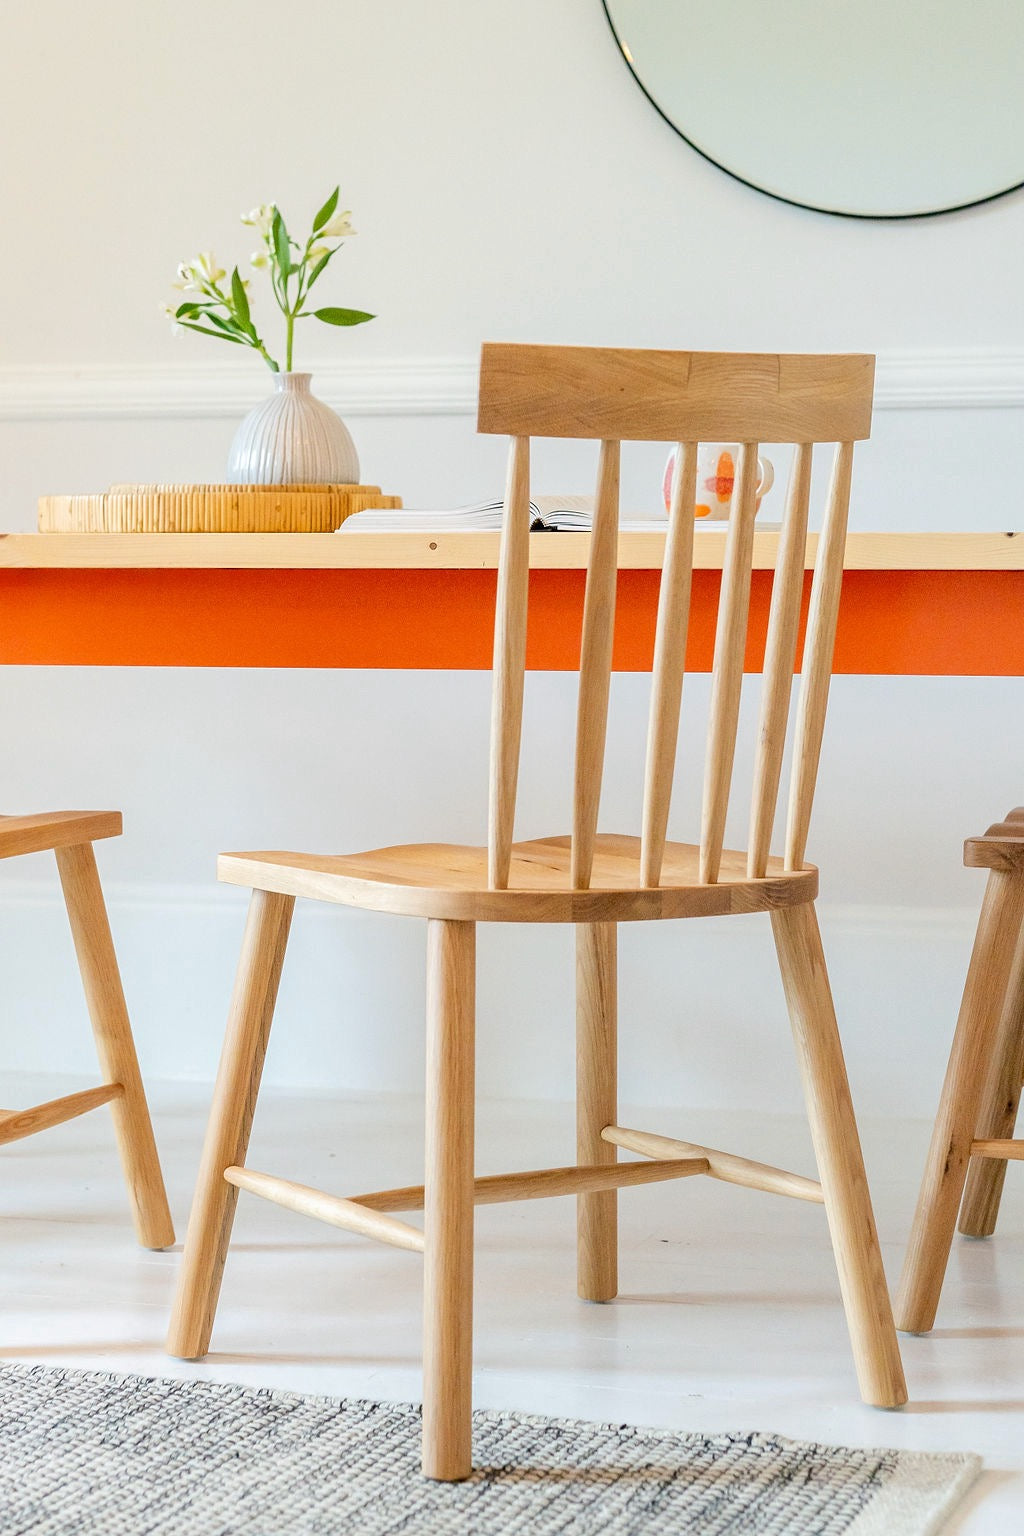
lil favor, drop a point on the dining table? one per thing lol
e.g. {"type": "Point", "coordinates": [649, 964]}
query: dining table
{"type": "Point", "coordinates": [912, 603]}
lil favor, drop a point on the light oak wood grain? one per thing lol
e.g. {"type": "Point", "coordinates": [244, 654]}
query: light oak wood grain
{"type": "Point", "coordinates": [981, 1008]}
{"type": "Point", "coordinates": [448, 1202]}
{"type": "Point", "coordinates": [673, 397]}
{"type": "Point", "coordinates": [55, 829]}
{"type": "Point", "coordinates": [473, 549]}
{"type": "Point", "coordinates": [727, 674]}
{"type": "Point", "coordinates": [780, 654]}
{"type": "Point", "coordinates": [544, 1183]}
{"type": "Point", "coordinates": [840, 1162]}
{"type": "Point", "coordinates": [596, 879]}
{"type": "Point", "coordinates": [112, 1032]}
{"type": "Point", "coordinates": [595, 669]}
{"type": "Point", "coordinates": [597, 1259]}
{"type": "Point", "coordinates": [449, 880]}
{"type": "Point", "coordinates": [18, 1123]}
{"type": "Point", "coordinates": [816, 671]}
{"type": "Point", "coordinates": [721, 1165]}
{"type": "Point", "coordinates": [1002, 1148]}
{"type": "Point", "coordinates": [1000, 1104]}
{"type": "Point", "coordinates": [347, 1214]}
{"type": "Point", "coordinates": [231, 1116]}
{"type": "Point", "coordinates": [669, 664]}
{"type": "Point", "coordinates": [509, 664]}
{"type": "Point", "coordinates": [70, 835]}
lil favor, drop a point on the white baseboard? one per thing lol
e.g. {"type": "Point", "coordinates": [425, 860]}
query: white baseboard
{"type": "Point", "coordinates": [703, 1019]}
{"type": "Point", "coordinates": [428, 386]}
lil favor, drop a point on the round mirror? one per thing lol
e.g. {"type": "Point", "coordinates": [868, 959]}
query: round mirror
{"type": "Point", "coordinates": [878, 109]}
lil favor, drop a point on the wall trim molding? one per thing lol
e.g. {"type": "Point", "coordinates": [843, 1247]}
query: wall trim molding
{"type": "Point", "coordinates": [941, 923]}
{"type": "Point", "coordinates": [964, 379]}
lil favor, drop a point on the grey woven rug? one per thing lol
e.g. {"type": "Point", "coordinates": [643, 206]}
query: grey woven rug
{"type": "Point", "coordinates": [90, 1454]}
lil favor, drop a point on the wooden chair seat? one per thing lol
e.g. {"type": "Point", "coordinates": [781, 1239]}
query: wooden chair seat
{"type": "Point", "coordinates": [55, 829]}
{"type": "Point", "coordinates": [448, 880]}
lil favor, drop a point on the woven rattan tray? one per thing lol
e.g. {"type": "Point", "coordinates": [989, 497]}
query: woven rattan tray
{"type": "Point", "coordinates": [210, 509]}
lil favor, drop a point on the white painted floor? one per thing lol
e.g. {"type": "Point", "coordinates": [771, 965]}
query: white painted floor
{"type": "Point", "coordinates": [729, 1316]}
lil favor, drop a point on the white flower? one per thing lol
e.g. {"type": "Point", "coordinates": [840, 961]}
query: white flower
{"type": "Point", "coordinates": [175, 323]}
{"type": "Point", "coordinates": [186, 279]}
{"type": "Point", "coordinates": [259, 259]}
{"type": "Point", "coordinates": [261, 218]}
{"type": "Point", "coordinates": [318, 251]}
{"type": "Point", "coordinates": [338, 227]}
{"type": "Point", "coordinates": [205, 267]}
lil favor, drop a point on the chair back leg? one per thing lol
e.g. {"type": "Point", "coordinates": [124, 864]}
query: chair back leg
{"type": "Point", "coordinates": [981, 1009]}
{"type": "Point", "coordinates": [231, 1116]}
{"type": "Point", "coordinates": [104, 995]}
{"type": "Point", "coordinates": [840, 1162]}
{"type": "Point", "coordinates": [448, 1201]}
{"type": "Point", "coordinates": [597, 1259]}
{"type": "Point", "coordinates": [1000, 1101]}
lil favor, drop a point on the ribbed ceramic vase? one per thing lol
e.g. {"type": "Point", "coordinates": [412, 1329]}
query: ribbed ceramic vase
{"type": "Point", "coordinates": [292, 438]}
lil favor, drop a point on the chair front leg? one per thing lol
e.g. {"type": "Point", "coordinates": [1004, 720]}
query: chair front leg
{"type": "Point", "coordinates": [231, 1115]}
{"type": "Point", "coordinates": [956, 1123]}
{"type": "Point", "coordinates": [104, 995]}
{"type": "Point", "coordinates": [448, 1201]}
{"type": "Point", "coordinates": [1000, 1102]}
{"type": "Point", "coordinates": [596, 1106]}
{"type": "Point", "coordinates": [840, 1162]}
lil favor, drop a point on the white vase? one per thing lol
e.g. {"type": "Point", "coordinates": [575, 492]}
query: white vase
{"type": "Point", "coordinates": [292, 438]}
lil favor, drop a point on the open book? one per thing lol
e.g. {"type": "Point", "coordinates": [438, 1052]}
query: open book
{"type": "Point", "coordinates": [547, 514]}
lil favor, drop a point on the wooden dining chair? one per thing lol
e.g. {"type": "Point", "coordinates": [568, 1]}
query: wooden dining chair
{"type": "Point", "coordinates": [70, 835]}
{"type": "Point", "coordinates": [594, 880]}
{"type": "Point", "coordinates": [973, 1135]}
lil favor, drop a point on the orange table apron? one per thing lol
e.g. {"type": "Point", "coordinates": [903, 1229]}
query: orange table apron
{"type": "Point", "coordinates": [898, 621]}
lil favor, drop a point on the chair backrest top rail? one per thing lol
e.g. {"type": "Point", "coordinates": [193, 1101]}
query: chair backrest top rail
{"type": "Point", "coordinates": [640, 395]}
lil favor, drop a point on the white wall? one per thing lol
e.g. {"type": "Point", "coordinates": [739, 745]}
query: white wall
{"type": "Point", "coordinates": [508, 180]}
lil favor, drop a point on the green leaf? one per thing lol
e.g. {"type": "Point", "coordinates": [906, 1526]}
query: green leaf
{"type": "Point", "coordinates": [319, 266]}
{"type": "Point", "coordinates": [343, 316]}
{"type": "Point", "coordinates": [240, 299]}
{"type": "Point", "coordinates": [326, 211]}
{"type": "Point", "coordinates": [282, 244]}
{"type": "Point", "coordinates": [238, 341]}
{"type": "Point", "coordinates": [225, 323]}
{"type": "Point", "coordinates": [190, 307]}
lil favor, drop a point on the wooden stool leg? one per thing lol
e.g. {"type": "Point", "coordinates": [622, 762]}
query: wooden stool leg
{"type": "Point", "coordinates": [231, 1115]}
{"type": "Point", "coordinates": [956, 1122]}
{"type": "Point", "coordinates": [999, 1105]}
{"type": "Point", "coordinates": [101, 979]}
{"type": "Point", "coordinates": [448, 1202]}
{"type": "Point", "coordinates": [840, 1163]}
{"type": "Point", "coordinates": [596, 1106]}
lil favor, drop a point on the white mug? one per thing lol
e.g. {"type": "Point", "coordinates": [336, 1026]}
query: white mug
{"type": "Point", "coordinates": [716, 473]}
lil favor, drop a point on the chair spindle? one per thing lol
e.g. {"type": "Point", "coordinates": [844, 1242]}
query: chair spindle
{"type": "Point", "coordinates": [595, 665]}
{"type": "Point", "coordinates": [669, 664]}
{"type": "Point", "coordinates": [727, 676]}
{"type": "Point", "coordinates": [816, 673]}
{"type": "Point", "coordinates": [509, 663]}
{"type": "Point", "coordinates": [780, 655]}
